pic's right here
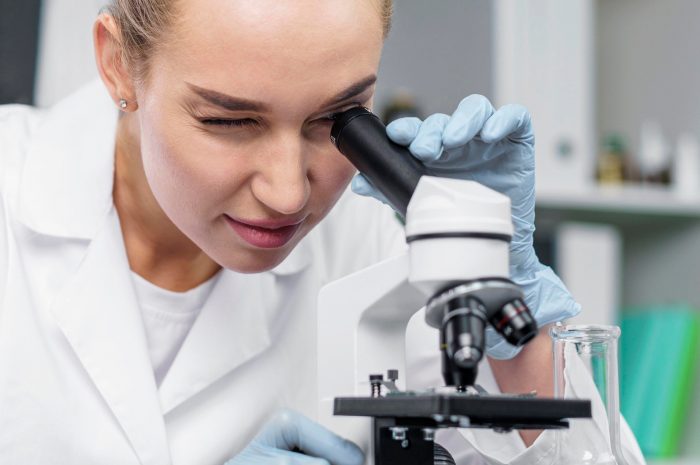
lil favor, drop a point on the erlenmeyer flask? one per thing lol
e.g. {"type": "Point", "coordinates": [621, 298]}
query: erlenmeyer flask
{"type": "Point", "coordinates": [585, 367]}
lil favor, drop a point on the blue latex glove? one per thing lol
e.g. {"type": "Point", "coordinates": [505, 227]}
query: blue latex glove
{"type": "Point", "coordinates": [496, 149]}
{"type": "Point", "coordinates": [289, 432]}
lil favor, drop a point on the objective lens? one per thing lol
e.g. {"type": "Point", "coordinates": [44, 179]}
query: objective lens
{"type": "Point", "coordinates": [515, 322]}
{"type": "Point", "coordinates": [462, 338]}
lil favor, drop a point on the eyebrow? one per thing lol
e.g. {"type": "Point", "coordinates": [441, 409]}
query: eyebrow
{"type": "Point", "coordinates": [227, 102]}
{"type": "Point", "coordinates": [352, 91]}
{"type": "Point", "coordinates": [231, 103]}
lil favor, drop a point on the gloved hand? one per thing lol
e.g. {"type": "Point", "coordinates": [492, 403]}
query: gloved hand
{"type": "Point", "coordinates": [289, 432]}
{"type": "Point", "coordinates": [496, 149]}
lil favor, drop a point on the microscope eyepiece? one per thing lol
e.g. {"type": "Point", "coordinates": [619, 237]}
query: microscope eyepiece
{"type": "Point", "coordinates": [361, 137]}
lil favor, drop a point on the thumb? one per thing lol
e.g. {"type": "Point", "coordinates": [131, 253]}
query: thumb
{"type": "Point", "coordinates": [362, 186]}
{"type": "Point", "coordinates": [292, 430]}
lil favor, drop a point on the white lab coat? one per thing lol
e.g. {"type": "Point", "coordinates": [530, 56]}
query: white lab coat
{"type": "Point", "coordinates": [76, 384]}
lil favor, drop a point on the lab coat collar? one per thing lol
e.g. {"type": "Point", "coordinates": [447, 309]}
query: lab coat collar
{"type": "Point", "coordinates": [66, 182]}
{"type": "Point", "coordinates": [98, 313]}
{"type": "Point", "coordinates": [68, 175]}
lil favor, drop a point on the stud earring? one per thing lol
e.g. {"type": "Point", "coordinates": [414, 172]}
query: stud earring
{"type": "Point", "coordinates": [123, 104]}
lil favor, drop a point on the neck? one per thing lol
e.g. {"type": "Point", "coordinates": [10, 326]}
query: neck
{"type": "Point", "coordinates": [157, 250]}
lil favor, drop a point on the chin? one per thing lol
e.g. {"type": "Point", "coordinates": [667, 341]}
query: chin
{"type": "Point", "coordinates": [254, 261]}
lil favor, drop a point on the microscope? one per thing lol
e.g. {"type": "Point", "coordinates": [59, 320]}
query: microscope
{"type": "Point", "coordinates": [454, 278]}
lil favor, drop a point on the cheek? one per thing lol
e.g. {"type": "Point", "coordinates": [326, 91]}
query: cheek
{"type": "Point", "coordinates": [329, 174]}
{"type": "Point", "coordinates": [189, 176]}
{"type": "Point", "coordinates": [172, 180]}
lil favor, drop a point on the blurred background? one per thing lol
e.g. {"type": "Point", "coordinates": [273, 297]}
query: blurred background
{"type": "Point", "coordinates": [613, 89]}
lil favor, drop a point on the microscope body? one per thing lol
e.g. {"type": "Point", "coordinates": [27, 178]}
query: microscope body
{"type": "Point", "coordinates": [454, 277]}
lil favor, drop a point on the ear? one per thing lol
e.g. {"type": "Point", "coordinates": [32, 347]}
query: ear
{"type": "Point", "coordinates": [110, 62]}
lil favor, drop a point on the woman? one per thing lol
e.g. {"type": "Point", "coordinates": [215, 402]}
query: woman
{"type": "Point", "coordinates": [159, 269]}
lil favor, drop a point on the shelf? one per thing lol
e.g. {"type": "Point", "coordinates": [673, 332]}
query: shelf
{"type": "Point", "coordinates": [629, 199]}
{"type": "Point", "coordinates": [628, 206]}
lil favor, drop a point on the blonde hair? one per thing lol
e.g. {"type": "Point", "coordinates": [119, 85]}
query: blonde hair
{"type": "Point", "coordinates": [142, 24]}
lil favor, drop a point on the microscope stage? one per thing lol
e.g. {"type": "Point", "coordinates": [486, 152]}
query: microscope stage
{"type": "Point", "coordinates": [498, 412]}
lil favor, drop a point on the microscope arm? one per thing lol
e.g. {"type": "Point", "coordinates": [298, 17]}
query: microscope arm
{"type": "Point", "coordinates": [362, 320]}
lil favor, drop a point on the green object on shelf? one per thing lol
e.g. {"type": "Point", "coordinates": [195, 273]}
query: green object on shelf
{"type": "Point", "coordinates": [614, 143]}
{"type": "Point", "coordinates": [659, 356]}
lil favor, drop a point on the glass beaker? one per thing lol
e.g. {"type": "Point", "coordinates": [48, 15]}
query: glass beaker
{"type": "Point", "coordinates": [585, 367]}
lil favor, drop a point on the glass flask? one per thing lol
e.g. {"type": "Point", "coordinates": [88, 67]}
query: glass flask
{"type": "Point", "coordinates": [585, 367]}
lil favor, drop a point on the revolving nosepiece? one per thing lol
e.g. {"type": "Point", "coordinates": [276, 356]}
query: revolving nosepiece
{"type": "Point", "coordinates": [464, 311]}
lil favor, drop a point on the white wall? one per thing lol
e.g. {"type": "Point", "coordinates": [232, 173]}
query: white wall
{"type": "Point", "coordinates": [65, 59]}
{"type": "Point", "coordinates": [439, 50]}
{"type": "Point", "coordinates": [544, 59]}
{"type": "Point", "coordinates": [648, 66]}
{"type": "Point", "coordinates": [588, 260]}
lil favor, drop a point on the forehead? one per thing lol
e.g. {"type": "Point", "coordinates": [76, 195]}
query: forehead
{"type": "Point", "coordinates": [249, 46]}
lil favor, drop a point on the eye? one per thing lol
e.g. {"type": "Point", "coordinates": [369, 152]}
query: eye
{"type": "Point", "coordinates": [230, 122]}
{"type": "Point", "coordinates": [330, 117]}
{"type": "Point", "coordinates": [327, 119]}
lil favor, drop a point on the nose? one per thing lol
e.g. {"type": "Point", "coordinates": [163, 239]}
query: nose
{"type": "Point", "coordinates": [282, 182]}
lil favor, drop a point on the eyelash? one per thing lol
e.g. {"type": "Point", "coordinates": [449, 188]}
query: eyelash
{"type": "Point", "coordinates": [229, 122]}
{"type": "Point", "coordinates": [249, 122]}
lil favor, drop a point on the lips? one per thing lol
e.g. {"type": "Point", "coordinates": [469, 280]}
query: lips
{"type": "Point", "coordinates": [264, 234]}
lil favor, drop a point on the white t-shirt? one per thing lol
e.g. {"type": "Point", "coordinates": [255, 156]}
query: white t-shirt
{"type": "Point", "coordinates": [167, 318]}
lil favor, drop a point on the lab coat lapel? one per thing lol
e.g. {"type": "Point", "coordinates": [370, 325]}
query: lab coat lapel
{"type": "Point", "coordinates": [98, 313]}
{"type": "Point", "coordinates": [233, 327]}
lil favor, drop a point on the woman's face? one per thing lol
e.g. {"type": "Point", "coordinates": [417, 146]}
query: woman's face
{"type": "Point", "coordinates": [234, 119]}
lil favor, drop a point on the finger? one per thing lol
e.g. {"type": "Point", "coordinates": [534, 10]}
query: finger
{"type": "Point", "coordinates": [511, 121]}
{"type": "Point", "coordinates": [285, 457]}
{"type": "Point", "coordinates": [427, 146]}
{"type": "Point", "coordinates": [317, 441]}
{"type": "Point", "coordinates": [467, 120]}
{"type": "Point", "coordinates": [499, 348]}
{"type": "Point", "coordinates": [403, 130]}
{"type": "Point", "coordinates": [271, 455]}
{"type": "Point", "coordinates": [362, 186]}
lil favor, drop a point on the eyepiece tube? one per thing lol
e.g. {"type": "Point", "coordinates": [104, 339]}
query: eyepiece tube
{"type": "Point", "coordinates": [361, 137]}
